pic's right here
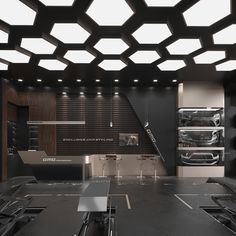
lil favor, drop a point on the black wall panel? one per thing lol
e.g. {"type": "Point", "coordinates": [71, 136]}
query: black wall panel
{"type": "Point", "coordinates": [97, 137]}
{"type": "Point", "coordinates": [158, 107]}
{"type": "Point", "coordinates": [230, 131]}
{"type": "Point", "coordinates": [1, 125]}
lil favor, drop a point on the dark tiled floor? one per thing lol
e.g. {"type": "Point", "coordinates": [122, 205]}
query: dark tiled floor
{"type": "Point", "coordinates": [166, 207]}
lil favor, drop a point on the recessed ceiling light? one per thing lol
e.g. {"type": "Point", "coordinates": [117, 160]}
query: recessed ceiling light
{"type": "Point", "coordinates": [155, 81]}
{"type": "Point", "coordinates": [162, 3]}
{"type": "Point", "coordinates": [209, 57]}
{"type": "Point", "coordinates": [38, 45]}
{"type": "Point", "coordinates": [3, 66]}
{"type": "Point", "coordinates": [109, 13]}
{"type": "Point", "coordinates": [81, 93]}
{"type": "Point", "coordinates": [20, 80]}
{"type": "Point", "coordinates": [114, 46]}
{"type": "Point", "coordinates": [39, 80]}
{"type": "Point", "coordinates": [59, 80]}
{"type": "Point", "coordinates": [152, 33]}
{"type": "Point", "coordinates": [135, 80]}
{"type": "Point", "coordinates": [69, 33]}
{"type": "Point", "coordinates": [227, 66]}
{"type": "Point", "coordinates": [174, 80]}
{"type": "Point", "coordinates": [112, 65]}
{"type": "Point", "coordinates": [116, 93]}
{"type": "Point", "coordinates": [97, 80]}
{"type": "Point", "coordinates": [99, 93]}
{"type": "Point", "coordinates": [52, 64]}
{"type": "Point", "coordinates": [226, 36]}
{"type": "Point", "coordinates": [144, 57]}
{"type": "Point", "coordinates": [3, 36]}
{"type": "Point", "coordinates": [79, 56]}
{"type": "Point", "coordinates": [184, 46]}
{"type": "Point", "coordinates": [171, 65]}
{"type": "Point", "coordinates": [64, 93]}
{"type": "Point", "coordinates": [78, 80]}
{"type": "Point", "coordinates": [15, 12]}
{"type": "Point", "coordinates": [14, 56]}
{"type": "Point", "coordinates": [199, 15]}
{"type": "Point", "coordinates": [116, 80]}
{"type": "Point", "coordinates": [56, 3]}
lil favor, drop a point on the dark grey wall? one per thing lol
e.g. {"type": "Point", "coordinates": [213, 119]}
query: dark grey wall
{"type": "Point", "coordinates": [1, 124]}
{"type": "Point", "coordinates": [159, 106]}
{"type": "Point", "coordinates": [96, 136]}
{"type": "Point", "coordinates": [230, 130]}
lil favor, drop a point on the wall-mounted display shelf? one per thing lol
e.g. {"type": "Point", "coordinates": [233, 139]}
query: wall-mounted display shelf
{"type": "Point", "coordinates": [33, 137]}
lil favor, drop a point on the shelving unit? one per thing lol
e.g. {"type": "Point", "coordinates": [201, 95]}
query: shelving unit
{"type": "Point", "coordinates": [200, 142]}
{"type": "Point", "coordinates": [33, 137]}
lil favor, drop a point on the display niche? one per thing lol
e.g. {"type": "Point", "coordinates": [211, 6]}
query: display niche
{"type": "Point", "coordinates": [201, 137]}
{"type": "Point", "coordinates": [33, 137]}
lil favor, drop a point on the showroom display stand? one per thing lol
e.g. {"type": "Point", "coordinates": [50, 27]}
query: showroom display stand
{"type": "Point", "coordinates": [201, 169]}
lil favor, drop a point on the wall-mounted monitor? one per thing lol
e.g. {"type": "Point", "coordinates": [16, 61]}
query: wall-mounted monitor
{"type": "Point", "coordinates": [127, 139]}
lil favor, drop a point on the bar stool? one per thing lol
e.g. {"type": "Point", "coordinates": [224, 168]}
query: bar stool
{"type": "Point", "coordinates": [141, 160]}
{"type": "Point", "coordinates": [154, 160]}
{"type": "Point", "coordinates": [103, 160]}
{"type": "Point", "coordinates": [118, 160]}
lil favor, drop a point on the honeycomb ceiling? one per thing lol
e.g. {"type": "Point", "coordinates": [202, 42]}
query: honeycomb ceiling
{"type": "Point", "coordinates": [117, 42]}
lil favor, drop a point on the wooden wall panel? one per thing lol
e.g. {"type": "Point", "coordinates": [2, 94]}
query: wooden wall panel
{"type": "Point", "coordinates": [42, 106]}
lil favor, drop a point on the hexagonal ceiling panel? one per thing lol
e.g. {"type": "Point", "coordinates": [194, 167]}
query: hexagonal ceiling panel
{"type": "Point", "coordinates": [79, 56]}
{"type": "Point", "coordinates": [162, 3]}
{"type": "Point", "coordinates": [144, 57]}
{"type": "Point", "coordinates": [153, 33]}
{"type": "Point", "coordinates": [71, 33]}
{"type": "Point", "coordinates": [226, 35]}
{"type": "Point", "coordinates": [52, 64]}
{"type": "Point", "coordinates": [15, 12]}
{"type": "Point", "coordinates": [112, 65]}
{"type": "Point", "coordinates": [109, 13]}
{"type": "Point", "coordinates": [207, 12]}
{"type": "Point", "coordinates": [111, 46]}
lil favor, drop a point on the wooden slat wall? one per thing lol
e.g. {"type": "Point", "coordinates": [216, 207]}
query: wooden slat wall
{"type": "Point", "coordinates": [42, 106]}
{"type": "Point", "coordinates": [96, 111]}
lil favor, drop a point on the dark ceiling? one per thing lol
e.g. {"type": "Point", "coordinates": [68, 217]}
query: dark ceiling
{"type": "Point", "coordinates": [145, 73]}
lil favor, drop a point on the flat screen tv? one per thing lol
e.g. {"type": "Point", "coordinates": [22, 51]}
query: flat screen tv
{"type": "Point", "coordinates": [127, 139]}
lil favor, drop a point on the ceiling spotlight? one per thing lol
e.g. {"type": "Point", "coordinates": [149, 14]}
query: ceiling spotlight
{"type": "Point", "coordinates": [60, 80]}
{"type": "Point", "coordinates": [184, 46]}
{"type": "Point", "coordinates": [97, 80]}
{"type": "Point", "coordinates": [109, 13]}
{"type": "Point", "coordinates": [227, 66]}
{"type": "Point", "coordinates": [209, 57]}
{"type": "Point", "coordinates": [144, 57]}
{"type": "Point", "coordinates": [52, 64]}
{"type": "Point", "coordinates": [135, 80]}
{"type": "Point", "coordinates": [155, 81]}
{"type": "Point", "coordinates": [20, 80]}
{"type": "Point", "coordinates": [3, 36]}
{"type": "Point", "coordinates": [171, 65]}
{"type": "Point", "coordinates": [99, 93]}
{"type": "Point", "coordinates": [81, 93]}
{"type": "Point", "coordinates": [15, 12]}
{"type": "Point", "coordinates": [112, 65]}
{"type": "Point", "coordinates": [152, 33]}
{"type": "Point", "coordinates": [174, 80]}
{"type": "Point", "coordinates": [64, 93]}
{"type": "Point", "coordinates": [56, 3]}
{"type": "Point", "coordinates": [116, 93]}
{"type": "Point", "coordinates": [38, 45]}
{"type": "Point", "coordinates": [115, 46]}
{"type": "Point", "coordinates": [116, 80]}
{"type": "Point", "coordinates": [79, 56]}
{"type": "Point", "coordinates": [78, 80]}
{"type": "Point", "coordinates": [39, 80]}
{"type": "Point", "coordinates": [226, 35]}
{"type": "Point", "coordinates": [14, 56]}
{"type": "Point", "coordinates": [69, 33]}
{"type": "Point", "coordinates": [198, 14]}
{"type": "Point", "coordinates": [162, 3]}
{"type": "Point", "coordinates": [3, 66]}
